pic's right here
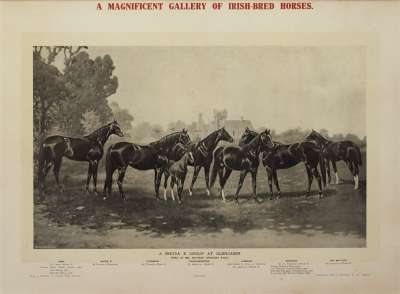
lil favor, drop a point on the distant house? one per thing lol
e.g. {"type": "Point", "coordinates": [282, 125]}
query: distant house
{"type": "Point", "coordinates": [200, 129]}
{"type": "Point", "coordinates": [236, 127]}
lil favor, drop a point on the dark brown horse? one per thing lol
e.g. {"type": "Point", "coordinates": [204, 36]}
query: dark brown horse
{"type": "Point", "coordinates": [141, 157]}
{"type": "Point", "coordinates": [283, 156]}
{"type": "Point", "coordinates": [243, 158]}
{"type": "Point", "coordinates": [347, 151]}
{"type": "Point", "coordinates": [88, 148]}
{"type": "Point", "coordinates": [202, 154]}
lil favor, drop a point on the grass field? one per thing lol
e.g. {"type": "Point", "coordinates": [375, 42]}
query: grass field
{"type": "Point", "coordinates": [74, 219]}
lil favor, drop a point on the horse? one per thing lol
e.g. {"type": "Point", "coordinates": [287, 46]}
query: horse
{"type": "Point", "coordinates": [243, 158]}
{"type": "Point", "coordinates": [346, 150]}
{"type": "Point", "coordinates": [202, 154]}
{"type": "Point", "coordinates": [88, 148]}
{"type": "Point", "coordinates": [283, 156]}
{"type": "Point", "coordinates": [141, 157]}
{"type": "Point", "coordinates": [177, 170]}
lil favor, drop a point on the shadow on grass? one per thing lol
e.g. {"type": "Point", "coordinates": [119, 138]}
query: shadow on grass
{"type": "Point", "coordinates": [342, 211]}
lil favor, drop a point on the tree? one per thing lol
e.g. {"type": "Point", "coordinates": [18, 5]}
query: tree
{"type": "Point", "coordinates": [176, 126]}
{"type": "Point", "coordinates": [49, 88]}
{"type": "Point", "coordinates": [292, 136]}
{"type": "Point", "coordinates": [156, 131]}
{"type": "Point", "coordinates": [91, 82]}
{"type": "Point", "coordinates": [324, 133]}
{"type": "Point", "coordinates": [90, 121]}
{"type": "Point", "coordinates": [48, 91]}
{"type": "Point", "coordinates": [219, 117]}
{"type": "Point", "coordinates": [123, 117]}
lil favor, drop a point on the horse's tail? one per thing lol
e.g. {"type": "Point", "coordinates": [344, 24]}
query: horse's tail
{"type": "Point", "coordinates": [354, 154]}
{"type": "Point", "coordinates": [216, 165]}
{"type": "Point", "coordinates": [322, 166]}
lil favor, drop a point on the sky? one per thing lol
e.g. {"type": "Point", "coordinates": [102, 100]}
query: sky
{"type": "Point", "coordinates": [274, 87]}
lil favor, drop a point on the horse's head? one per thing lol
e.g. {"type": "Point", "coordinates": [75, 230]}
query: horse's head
{"type": "Point", "coordinates": [266, 139]}
{"type": "Point", "coordinates": [224, 135]}
{"type": "Point", "coordinates": [184, 137]}
{"type": "Point", "coordinates": [317, 137]}
{"type": "Point", "coordinates": [115, 129]}
{"type": "Point", "coordinates": [247, 136]}
{"type": "Point", "coordinates": [68, 148]}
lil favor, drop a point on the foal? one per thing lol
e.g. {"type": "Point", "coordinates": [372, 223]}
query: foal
{"type": "Point", "coordinates": [178, 170]}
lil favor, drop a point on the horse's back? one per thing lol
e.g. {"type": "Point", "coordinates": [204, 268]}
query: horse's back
{"type": "Point", "coordinates": [53, 140]}
{"type": "Point", "coordinates": [53, 147]}
{"type": "Point", "coordinates": [140, 157]}
{"type": "Point", "coordinates": [345, 150]}
{"type": "Point", "coordinates": [282, 156]}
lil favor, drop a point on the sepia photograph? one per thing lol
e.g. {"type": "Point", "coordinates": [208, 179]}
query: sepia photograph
{"type": "Point", "coordinates": [199, 147]}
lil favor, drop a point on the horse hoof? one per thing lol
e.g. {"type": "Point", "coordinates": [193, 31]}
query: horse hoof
{"type": "Point", "coordinates": [190, 192]}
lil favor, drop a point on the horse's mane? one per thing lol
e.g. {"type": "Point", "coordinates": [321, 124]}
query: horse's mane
{"type": "Point", "coordinates": [97, 133]}
{"type": "Point", "coordinates": [315, 135]}
{"type": "Point", "coordinates": [166, 140]}
{"type": "Point", "coordinates": [251, 143]}
{"type": "Point", "coordinates": [204, 140]}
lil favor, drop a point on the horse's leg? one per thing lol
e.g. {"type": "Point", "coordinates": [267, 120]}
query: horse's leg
{"type": "Point", "coordinates": [121, 175]}
{"type": "Point", "coordinates": [318, 177]}
{"type": "Point", "coordinates": [328, 170]}
{"type": "Point", "coordinates": [172, 187]}
{"type": "Point", "coordinates": [108, 181]}
{"type": "Point", "coordinates": [310, 179]}
{"type": "Point", "coordinates": [207, 177]}
{"type": "Point", "coordinates": [222, 180]}
{"type": "Point", "coordinates": [197, 169]}
{"type": "Point", "coordinates": [254, 184]}
{"type": "Point", "coordinates": [353, 169]}
{"type": "Point", "coordinates": [269, 175]}
{"type": "Point", "coordinates": [89, 175]}
{"type": "Point", "coordinates": [357, 171]}
{"type": "Point", "coordinates": [166, 176]}
{"type": "Point", "coordinates": [180, 189]}
{"type": "Point", "coordinates": [335, 171]}
{"type": "Point", "coordinates": [157, 180]}
{"type": "Point", "coordinates": [56, 171]}
{"type": "Point", "coordinates": [95, 166]}
{"type": "Point", "coordinates": [47, 166]}
{"type": "Point", "coordinates": [275, 178]}
{"type": "Point", "coordinates": [243, 174]}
